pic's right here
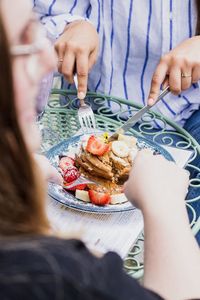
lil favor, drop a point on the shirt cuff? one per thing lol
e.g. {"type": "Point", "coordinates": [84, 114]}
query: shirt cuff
{"type": "Point", "coordinates": [55, 25]}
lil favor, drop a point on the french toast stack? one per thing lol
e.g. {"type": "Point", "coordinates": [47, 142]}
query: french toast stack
{"type": "Point", "coordinates": [108, 164]}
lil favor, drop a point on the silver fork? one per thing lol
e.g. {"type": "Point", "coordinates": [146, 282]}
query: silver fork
{"type": "Point", "coordinates": [81, 180]}
{"type": "Point", "coordinates": [85, 114]}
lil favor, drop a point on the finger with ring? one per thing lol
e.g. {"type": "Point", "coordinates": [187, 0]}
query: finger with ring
{"type": "Point", "coordinates": [186, 80]}
{"type": "Point", "coordinates": [185, 75]}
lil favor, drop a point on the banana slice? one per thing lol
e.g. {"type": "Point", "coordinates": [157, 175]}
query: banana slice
{"type": "Point", "coordinates": [130, 141]}
{"type": "Point", "coordinates": [120, 149]}
{"type": "Point", "coordinates": [118, 199]}
{"type": "Point", "coordinates": [82, 195]}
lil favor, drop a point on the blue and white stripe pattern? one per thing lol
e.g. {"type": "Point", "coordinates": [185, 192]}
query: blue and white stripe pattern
{"type": "Point", "coordinates": [134, 34]}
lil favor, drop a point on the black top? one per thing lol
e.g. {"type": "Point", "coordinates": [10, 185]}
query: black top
{"type": "Point", "coordinates": [48, 268]}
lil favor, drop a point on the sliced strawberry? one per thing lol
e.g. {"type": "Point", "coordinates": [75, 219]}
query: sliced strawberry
{"type": "Point", "coordinates": [99, 198]}
{"type": "Point", "coordinates": [71, 174]}
{"type": "Point", "coordinates": [66, 162]}
{"type": "Point", "coordinates": [79, 187]}
{"type": "Point", "coordinates": [96, 146]}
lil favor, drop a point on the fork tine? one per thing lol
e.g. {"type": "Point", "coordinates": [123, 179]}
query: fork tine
{"type": "Point", "coordinates": [92, 122]}
{"type": "Point", "coordinates": [88, 121]}
{"type": "Point", "coordinates": [81, 123]}
{"type": "Point", "coordinates": [92, 119]}
{"type": "Point", "coordinates": [88, 125]}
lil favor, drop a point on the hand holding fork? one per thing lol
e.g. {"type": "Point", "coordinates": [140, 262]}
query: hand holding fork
{"type": "Point", "coordinates": [85, 113]}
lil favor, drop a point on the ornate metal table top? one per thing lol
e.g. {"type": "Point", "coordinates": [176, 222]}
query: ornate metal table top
{"type": "Point", "coordinates": [61, 119]}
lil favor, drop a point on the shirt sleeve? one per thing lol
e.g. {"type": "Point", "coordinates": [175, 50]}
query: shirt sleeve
{"type": "Point", "coordinates": [55, 20]}
{"type": "Point", "coordinates": [98, 278]}
{"type": "Point", "coordinates": [115, 283]}
{"type": "Point", "coordinates": [55, 25]}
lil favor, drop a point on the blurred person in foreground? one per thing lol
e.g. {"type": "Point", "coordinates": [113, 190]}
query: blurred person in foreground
{"type": "Point", "coordinates": [35, 264]}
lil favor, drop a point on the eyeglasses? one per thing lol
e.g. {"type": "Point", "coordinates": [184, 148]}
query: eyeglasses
{"type": "Point", "coordinates": [21, 50]}
{"type": "Point", "coordinates": [34, 41]}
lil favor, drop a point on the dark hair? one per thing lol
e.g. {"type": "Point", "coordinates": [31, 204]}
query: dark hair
{"type": "Point", "coordinates": [198, 17]}
{"type": "Point", "coordinates": [21, 197]}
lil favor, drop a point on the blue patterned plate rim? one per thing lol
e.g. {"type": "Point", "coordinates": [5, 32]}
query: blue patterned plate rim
{"type": "Point", "coordinates": [69, 200]}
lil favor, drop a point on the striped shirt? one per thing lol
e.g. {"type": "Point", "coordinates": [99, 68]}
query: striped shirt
{"type": "Point", "coordinates": [133, 34]}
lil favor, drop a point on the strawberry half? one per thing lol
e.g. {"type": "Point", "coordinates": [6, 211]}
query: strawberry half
{"type": "Point", "coordinates": [99, 198]}
{"type": "Point", "coordinates": [71, 174]}
{"type": "Point", "coordinates": [77, 187]}
{"type": "Point", "coordinates": [96, 146]}
{"type": "Point", "coordinates": [66, 162]}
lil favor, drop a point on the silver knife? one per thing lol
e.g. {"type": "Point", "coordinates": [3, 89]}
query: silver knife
{"type": "Point", "coordinates": [133, 120]}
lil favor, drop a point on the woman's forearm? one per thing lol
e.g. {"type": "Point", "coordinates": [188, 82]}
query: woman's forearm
{"type": "Point", "coordinates": [172, 269]}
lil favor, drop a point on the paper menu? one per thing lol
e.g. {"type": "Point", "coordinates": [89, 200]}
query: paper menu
{"type": "Point", "coordinates": [102, 232]}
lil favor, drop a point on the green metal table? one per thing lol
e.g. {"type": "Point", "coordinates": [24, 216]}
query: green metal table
{"type": "Point", "coordinates": [60, 117]}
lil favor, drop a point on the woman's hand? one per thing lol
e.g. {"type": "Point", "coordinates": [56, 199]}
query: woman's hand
{"type": "Point", "coordinates": [50, 173]}
{"type": "Point", "coordinates": [77, 50]}
{"type": "Point", "coordinates": [156, 184]}
{"type": "Point", "coordinates": [179, 69]}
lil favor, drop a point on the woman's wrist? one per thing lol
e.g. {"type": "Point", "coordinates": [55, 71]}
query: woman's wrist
{"type": "Point", "coordinates": [165, 209]}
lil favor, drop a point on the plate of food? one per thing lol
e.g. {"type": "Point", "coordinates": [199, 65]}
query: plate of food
{"type": "Point", "coordinates": [106, 164]}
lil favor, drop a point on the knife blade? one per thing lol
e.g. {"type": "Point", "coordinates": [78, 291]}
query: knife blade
{"type": "Point", "coordinates": [133, 120]}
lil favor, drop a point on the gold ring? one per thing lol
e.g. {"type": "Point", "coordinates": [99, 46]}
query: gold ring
{"type": "Point", "coordinates": [185, 75]}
